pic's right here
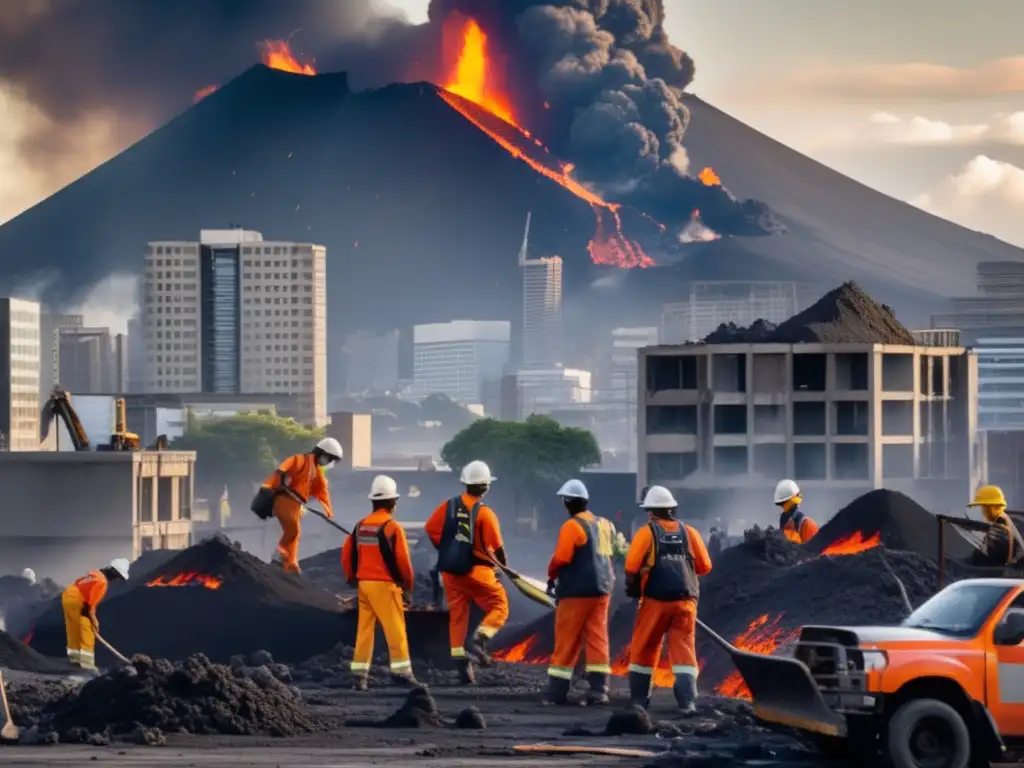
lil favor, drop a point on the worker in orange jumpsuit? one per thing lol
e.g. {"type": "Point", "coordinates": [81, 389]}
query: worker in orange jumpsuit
{"type": "Point", "coordinates": [79, 602]}
{"type": "Point", "coordinates": [794, 524]}
{"type": "Point", "coordinates": [376, 561]}
{"type": "Point", "coordinates": [467, 536]}
{"type": "Point", "coordinates": [300, 478]}
{"type": "Point", "coordinates": [580, 578]}
{"type": "Point", "coordinates": [662, 567]}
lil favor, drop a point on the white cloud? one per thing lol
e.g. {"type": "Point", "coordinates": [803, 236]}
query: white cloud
{"type": "Point", "coordinates": [986, 195]}
{"type": "Point", "coordinates": [888, 128]}
{"type": "Point", "coordinates": [909, 80]}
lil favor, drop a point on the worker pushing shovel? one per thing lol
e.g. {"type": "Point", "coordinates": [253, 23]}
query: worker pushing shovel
{"type": "Point", "coordinates": [79, 602]}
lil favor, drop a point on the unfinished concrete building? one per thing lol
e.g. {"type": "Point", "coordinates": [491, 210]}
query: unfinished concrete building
{"type": "Point", "coordinates": [75, 511]}
{"type": "Point", "coordinates": [841, 418]}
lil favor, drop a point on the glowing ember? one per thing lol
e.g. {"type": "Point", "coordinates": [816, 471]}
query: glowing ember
{"type": "Point", "coordinates": [852, 544]}
{"type": "Point", "coordinates": [202, 93]}
{"type": "Point", "coordinates": [472, 78]}
{"type": "Point", "coordinates": [187, 579]}
{"type": "Point", "coordinates": [276, 54]}
{"type": "Point", "coordinates": [522, 652]}
{"type": "Point", "coordinates": [709, 178]}
{"type": "Point", "coordinates": [762, 636]}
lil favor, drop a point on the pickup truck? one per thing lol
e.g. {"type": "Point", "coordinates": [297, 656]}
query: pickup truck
{"type": "Point", "coordinates": [944, 689]}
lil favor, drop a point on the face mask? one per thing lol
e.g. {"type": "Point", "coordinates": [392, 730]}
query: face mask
{"type": "Point", "coordinates": [326, 462]}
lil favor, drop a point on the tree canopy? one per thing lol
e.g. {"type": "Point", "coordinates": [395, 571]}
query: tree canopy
{"type": "Point", "coordinates": [538, 451]}
{"type": "Point", "coordinates": [237, 451]}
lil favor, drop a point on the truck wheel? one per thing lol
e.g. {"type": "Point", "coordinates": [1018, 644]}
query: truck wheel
{"type": "Point", "coordinates": [928, 733]}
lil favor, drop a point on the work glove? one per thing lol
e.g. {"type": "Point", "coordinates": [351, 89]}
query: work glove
{"type": "Point", "coordinates": [407, 598]}
{"type": "Point", "coordinates": [551, 587]}
{"type": "Point", "coordinates": [633, 590]}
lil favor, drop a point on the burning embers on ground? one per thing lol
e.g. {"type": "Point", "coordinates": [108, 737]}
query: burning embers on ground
{"type": "Point", "coordinates": [852, 544]}
{"type": "Point", "coordinates": [187, 579]}
{"type": "Point", "coordinates": [474, 79]}
{"type": "Point", "coordinates": [763, 636]}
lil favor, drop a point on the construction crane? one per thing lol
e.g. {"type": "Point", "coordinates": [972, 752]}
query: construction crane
{"type": "Point", "coordinates": [59, 407]}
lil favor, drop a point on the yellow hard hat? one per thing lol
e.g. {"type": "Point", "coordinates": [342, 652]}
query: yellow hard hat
{"type": "Point", "coordinates": [989, 496]}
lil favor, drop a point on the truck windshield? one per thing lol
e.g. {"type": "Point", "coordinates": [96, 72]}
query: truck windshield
{"type": "Point", "coordinates": [958, 610]}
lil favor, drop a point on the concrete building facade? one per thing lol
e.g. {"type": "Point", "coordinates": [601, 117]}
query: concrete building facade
{"type": "Point", "coordinates": [835, 416]}
{"type": "Point", "coordinates": [90, 507]}
{"type": "Point", "coordinates": [20, 365]}
{"type": "Point", "coordinates": [456, 358]}
{"type": "Point", "coordinates": [543, 333]}
{"type": "Point", "coordinates": [234, 314]}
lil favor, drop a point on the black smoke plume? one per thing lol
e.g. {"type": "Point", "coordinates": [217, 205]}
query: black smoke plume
{"type": "Point", "coordinates": [605, 69]}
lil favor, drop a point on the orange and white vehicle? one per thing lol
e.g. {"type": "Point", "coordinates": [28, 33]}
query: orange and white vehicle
{"type": "Point", "coordinates": [945, 688]}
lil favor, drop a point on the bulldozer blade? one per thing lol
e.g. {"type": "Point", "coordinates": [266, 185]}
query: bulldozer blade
{"type": "Point", "coordinates": [784, 692]}
{"type": "Point", "coordinates": [782, 689]}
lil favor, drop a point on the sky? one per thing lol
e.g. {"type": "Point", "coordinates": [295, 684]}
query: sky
{"type": "Point", "coordinates": [920, 99]}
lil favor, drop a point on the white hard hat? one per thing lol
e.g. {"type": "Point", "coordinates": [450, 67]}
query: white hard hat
{"type": "Point", "coordinates": [120, 565]}
{"type": "Point", "coordinates": [29, 575]}
{"type": "Point", "coordinates": [383, 488]}
{"type": "Point", "coordinates": [330, 447]}
{"type": "Point", "coordinates": [786, 490]}
{"type": "Point", "coordinates": [476, 473]}
{"type": "Point", "coordinates": [659, 497]}
{"type": "Point", "coordinates": [574, 489]}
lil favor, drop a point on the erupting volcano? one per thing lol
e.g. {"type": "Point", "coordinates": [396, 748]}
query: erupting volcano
{"type": "Point", "coordinates": [276, 54]}
{"type": "Point", "coordinates": [473, 80]}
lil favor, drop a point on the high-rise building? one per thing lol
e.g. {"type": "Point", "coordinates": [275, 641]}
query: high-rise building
{"type": "Point", "coordinates": [50, 326]}
{"type": "Point", "coordinates": [542, 307]}
{"type": "Point", "coordinates": [136, 356]}
{"type": "Point", "coordinates": [455, 358]}
{"type": "Point", "coordinates": [234, 314]}
{"type": "Point", "coordinates": [91, 360]}
{"type": "Point", "coordinates": [370, 362]}
{"type": "Point", "coordinates": [710, 304]}
{"type": "Point", "coordinates": [20, 359]}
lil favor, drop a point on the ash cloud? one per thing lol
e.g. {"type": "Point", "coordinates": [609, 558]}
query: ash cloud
{"type": "Point", "coordinates": [610, 76]}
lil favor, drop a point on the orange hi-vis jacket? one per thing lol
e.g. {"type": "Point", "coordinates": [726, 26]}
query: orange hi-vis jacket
{"type": "Point", "coordinates": [378, 530]}
{"type": "Point", "coordinates": [798, 528]}
{"type": "Point", "coordinates": [640, 558]}
{"type": "Point", "coordinates": [305, 478]}
{"type": "Point", "coordinates": [486, 537]}
{"type": "Point", "coordinates": [93, 588]}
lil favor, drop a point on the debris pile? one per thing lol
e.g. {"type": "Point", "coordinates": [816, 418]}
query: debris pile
{"type": "Point", "coordinates": [15, 655]}
{"type": "Point", "coordinates": [844, 315]}
{"type": "Point", "coordinates": [153, 697]}
{"type": "Point", "coordinates": [214, 599]}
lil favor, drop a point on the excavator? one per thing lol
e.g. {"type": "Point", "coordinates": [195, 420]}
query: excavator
{"type": "Point", "coordinates": [59, 406]}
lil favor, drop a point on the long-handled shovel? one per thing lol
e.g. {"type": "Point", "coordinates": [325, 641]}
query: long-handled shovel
{"type": "Point", "coordinates": [530, 588]}
{"type": "Point", "coordinates": [9, 731]}
{"type": "Point", "coordinates": [782, 689]}
{"type": "Point", "coordinates": [117, 654]}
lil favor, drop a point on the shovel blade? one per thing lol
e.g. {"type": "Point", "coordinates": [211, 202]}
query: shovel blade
{"type": "Point", "coordinates": [532, 591]}
{"type": "Point", "coordinates": [9, 732]}
{"type": "Point", "coordinates": [784, 692]}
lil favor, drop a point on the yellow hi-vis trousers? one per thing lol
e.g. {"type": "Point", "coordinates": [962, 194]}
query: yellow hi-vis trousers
{"type": "Point", "coordinates": [381, 601]}
{"type": "Point", "coordinates": [81, 640]}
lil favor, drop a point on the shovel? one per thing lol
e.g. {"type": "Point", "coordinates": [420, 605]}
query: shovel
{"type": "Point", "coordinates": [117, 655]}
{"type": "Point", "coordinates": [530, 588]}
{"type": "Point", "coordinates": [9, 731]}
{"type": "Point", "coordinates": [782, 689]}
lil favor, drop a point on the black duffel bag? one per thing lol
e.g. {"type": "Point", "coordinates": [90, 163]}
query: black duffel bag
{"type": "Point", "coordinates": [263, 502]}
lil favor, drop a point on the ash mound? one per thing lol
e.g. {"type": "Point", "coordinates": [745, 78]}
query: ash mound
{"type": "Point", "coordinates": [214, 599]}
{"type": "Point", "coordinates": [15, 655]}
{"type": "Point", "coordinates": [195, 696]}
{"type": "Point", "coordinates": [845, 315]}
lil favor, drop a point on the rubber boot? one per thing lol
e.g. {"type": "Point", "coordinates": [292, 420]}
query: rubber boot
{"type": "Point", "coordinates": [404, 680]}
{"type": "Point", "coordinates": [640, 689]}
{"type": "Point", "coordinates": [685, 691]}
{"type": "Point", "coordinates": [557, 693]}
{"type": "Point", "coordinates": [598, 695]}
{"type": "Point", "coordinates": [361, 684]}
{"type": "Point", "coordinates": [478, 648]}
{"type": "Point", "coordinates": [467, 675]}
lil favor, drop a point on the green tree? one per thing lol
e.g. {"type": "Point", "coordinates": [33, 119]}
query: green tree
{"type": "Point", "coordinates": [528, 455]}
{"type": "Point", "coordinates": [238, 452]}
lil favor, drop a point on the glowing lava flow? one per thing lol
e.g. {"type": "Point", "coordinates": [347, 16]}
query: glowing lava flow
{"type": "Point", "coordinates": [276, 54]}
{"type": "Point", "coordinates": [709, 178]}
{"type": "Point", "coordinates": [762, 636]}
{"type": "Point", "coordinates": [471, 81]}
{"type": "Point", "coordinates": [202, 93]}
{"type": "Point", "coordinates": [852, 544]}
{"type": "Point", "coordinates": [186, 579]}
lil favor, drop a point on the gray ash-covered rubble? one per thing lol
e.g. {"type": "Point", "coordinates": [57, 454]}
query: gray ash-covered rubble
{"type": "Point", "coordinates": [844, 315]}
{"type": "Point", "coordinates": [420, 710]}
{"type": "Point", "coordinates": [151, 698]}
